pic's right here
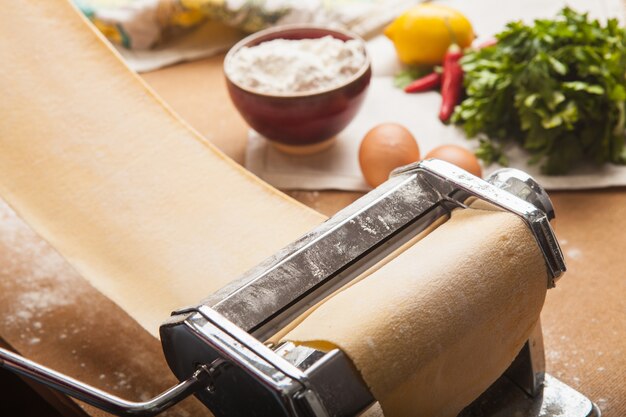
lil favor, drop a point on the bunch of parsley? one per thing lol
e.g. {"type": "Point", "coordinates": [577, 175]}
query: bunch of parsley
{"type": "Point", "coordinates": [557, 87]}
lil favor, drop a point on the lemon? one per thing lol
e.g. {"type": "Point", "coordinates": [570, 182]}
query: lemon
{"type": "Point", "coordinates": [422, 34]}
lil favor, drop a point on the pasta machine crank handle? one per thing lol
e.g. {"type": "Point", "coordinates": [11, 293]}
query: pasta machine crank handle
{"type": "Point", "coordinates": [201, 379]}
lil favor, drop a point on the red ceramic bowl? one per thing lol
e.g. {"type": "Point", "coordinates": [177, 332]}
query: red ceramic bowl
{"type": "Point", "coordinates": [300, 122]}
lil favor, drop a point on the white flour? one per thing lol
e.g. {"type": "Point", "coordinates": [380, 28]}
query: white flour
{"type": "Point", "coordinates": [36, 274]}
{"type": "Point", "coordinates": [283, 66]}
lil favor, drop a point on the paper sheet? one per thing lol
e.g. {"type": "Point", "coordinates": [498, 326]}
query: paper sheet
{"type": "Point", "coordinates": [337, 168]}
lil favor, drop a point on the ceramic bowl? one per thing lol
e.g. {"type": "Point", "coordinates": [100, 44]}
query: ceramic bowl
{"type": "Point", "coordinates": [300, 122]}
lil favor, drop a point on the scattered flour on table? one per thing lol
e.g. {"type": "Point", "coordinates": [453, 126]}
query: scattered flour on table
{"type": "Point", "coordinates": [122, 381]}
{"type": "Point", "coordinates": [283, 66]}
{"type": "Point", "coordinates": [574, 253]}
{"type": "Point", "coordinates": [35, 282]}
{"type": "Point", "coordinates": [31, 268]}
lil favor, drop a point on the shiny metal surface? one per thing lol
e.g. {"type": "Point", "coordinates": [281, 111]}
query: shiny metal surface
{"type": "Point", "coordinates": [556, 399]}
{"type": "Point", "coordinates": [523, 186]}
{"type": "Point", "coordinates": [458, 185]}
{"type": "Point", "coordinates": [288, 381]}
{"type": "Point", "coordinates": [529, 367]}
{"type": "Point", "coordinates": [271, 295]}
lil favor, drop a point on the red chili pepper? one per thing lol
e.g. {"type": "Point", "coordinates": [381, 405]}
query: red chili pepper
{"type": "Point", "coordinates": [487, 43]}
{"type": "Point", "coordinates": [425, 83]}
{"type": "Point", "coordinates": [451, 83]}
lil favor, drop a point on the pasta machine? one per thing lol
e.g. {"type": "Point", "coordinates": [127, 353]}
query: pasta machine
{"type": "Point", "coordinates": [218, 349]}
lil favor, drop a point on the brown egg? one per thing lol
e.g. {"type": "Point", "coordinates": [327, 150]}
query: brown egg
{"type": "Point", "coordinates": [459, 156]}
{"type": "Point", "coordinates": [384, 148]}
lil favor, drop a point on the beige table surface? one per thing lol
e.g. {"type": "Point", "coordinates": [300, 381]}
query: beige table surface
{"type": "Point", "coordinates": [75, 329]}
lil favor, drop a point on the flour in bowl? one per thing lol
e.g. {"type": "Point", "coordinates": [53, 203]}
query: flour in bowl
{"type": "Point", "coordinates": [283, 66]}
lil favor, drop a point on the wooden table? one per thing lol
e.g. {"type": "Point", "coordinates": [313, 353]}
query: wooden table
{"type": "Point", "coordinates": [584, 318]}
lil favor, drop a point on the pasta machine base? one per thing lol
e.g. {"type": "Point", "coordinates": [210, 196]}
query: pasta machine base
{"type": "Point", "coordinates": [555, 399]}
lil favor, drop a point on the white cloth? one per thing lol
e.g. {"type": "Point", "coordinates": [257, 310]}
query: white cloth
{"type": "Point", "coordinates": [209, 39]}
{"type": "Point", "coordinates": [360, 16]}
{"type": "Point", "coordinates": [338, 168]}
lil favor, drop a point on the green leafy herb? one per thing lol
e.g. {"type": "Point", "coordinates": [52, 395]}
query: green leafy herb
{"type": "Point", "coordinates": [409, 74]}
{"type": "Point", "coordinates": [556, 87]}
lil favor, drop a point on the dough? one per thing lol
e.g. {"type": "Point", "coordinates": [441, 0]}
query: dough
{"type": "Point", "coordinates": [156, 218]}
{"type": "Point", "coordinates": [147, 210]}
{"type": "Point", "coordinates": [432, 329]}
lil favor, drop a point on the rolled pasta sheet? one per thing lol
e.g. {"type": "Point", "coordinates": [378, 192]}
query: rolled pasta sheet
{"type": "Point", "coordinates": [144, 208]}
{"type": "Point", "coordinates": [431, 330]}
